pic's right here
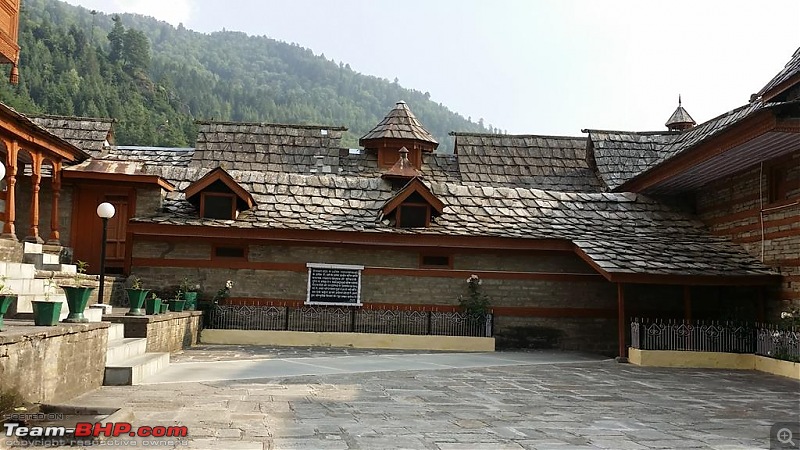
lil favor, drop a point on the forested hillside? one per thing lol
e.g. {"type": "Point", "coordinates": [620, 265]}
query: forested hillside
{"type": "Point", "coordinates": [156, 79]}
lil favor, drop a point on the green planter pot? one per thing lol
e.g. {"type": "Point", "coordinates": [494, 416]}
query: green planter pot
{"type": "Point", "coordinates": [191, 301]}
{"type": "Point", "coordinates": [5, 302]}
{"type": "Point", "coordinates": [77, 299]}
{"type": "Point", "coordinates": [164, 307]}
{"type": "Point", "coordinates": [46, 313]}
{"type": "Point", "coordinates": [136, 299]}
{"type": "Point", "coordinates": [152, 306]}
{"type": "Point", "coordinates": [176, 305]}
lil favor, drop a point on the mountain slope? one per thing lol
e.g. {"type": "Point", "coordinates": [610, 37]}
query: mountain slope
{"type": "Point", "coordinates": [156, 79]}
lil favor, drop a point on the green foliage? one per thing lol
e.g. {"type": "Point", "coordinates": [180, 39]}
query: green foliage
{"type": "Point", "coordinates": [136, 283]}
{"type": "Point", "coordinates": [187, 285]}
{"type": "Point", "coordinates": [223, 293]}
{"type": "Point", "coordinates": [476, 303]}
{"type": "Point", "coordinates": [156, 80]}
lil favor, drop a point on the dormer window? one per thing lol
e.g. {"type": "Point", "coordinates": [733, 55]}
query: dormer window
{"type": "Point", "coordinates": [218, 196]}
{"type": "Point", "coordinates": [217, 205]}
{"type": "Point", "coordinates": [413, 206]}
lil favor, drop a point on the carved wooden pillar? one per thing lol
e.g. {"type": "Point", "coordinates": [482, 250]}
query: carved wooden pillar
{"type": "Point", "coordinates": [55, 235]}
{"type": "Point", "coordinates": [36, 180]}
{"type": "Point", "coordinates": [12, 148]}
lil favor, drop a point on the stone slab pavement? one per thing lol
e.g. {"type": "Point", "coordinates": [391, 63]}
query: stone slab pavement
{"type": "Point", "coordinates": [444, 401]}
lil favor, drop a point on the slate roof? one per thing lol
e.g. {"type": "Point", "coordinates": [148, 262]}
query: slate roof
{"type": "Point", "coordinates": [87, 133]}
{"type": "Point", "coordinates": [268, 147]}
{"type": "Point", "coordinates": [621, 155]}
{"type": "Point", "coordinates": [29, 122]}
{"type": "Point", "coordinates": [694, 136]}
{"type": "Point", "coordinates": [791, 69]}
{"type": "Point", "coordinates": [152, 155]}
{"type": "Point", "coordinates": [545, 162]}
{"type": "Point", "coordinates": [624, 233]}
{"type": "Point", "coordinates": [400, 123]}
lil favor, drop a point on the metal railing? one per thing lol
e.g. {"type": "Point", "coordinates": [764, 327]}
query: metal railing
{"type": "Point", "coordinates": [716, 336]}
{"type": "Point", "coordinates": [348, 319]}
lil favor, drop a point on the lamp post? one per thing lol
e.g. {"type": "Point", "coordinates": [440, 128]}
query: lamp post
{"type": "Point", "coordinates": [105, 211]}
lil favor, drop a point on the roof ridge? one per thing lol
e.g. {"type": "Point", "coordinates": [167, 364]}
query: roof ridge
{"type": "Point", "coordinates": [642, 133]}
{"type": "Point", "coordinates": [271, 124]}
{"type": "Point", "coordinates": [460, 133]}
{"type": "Point", "coordinates": [82, 118]}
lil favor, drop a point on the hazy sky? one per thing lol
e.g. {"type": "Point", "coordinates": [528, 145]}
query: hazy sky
{"type": "Point", "coordinates": [530, 66]}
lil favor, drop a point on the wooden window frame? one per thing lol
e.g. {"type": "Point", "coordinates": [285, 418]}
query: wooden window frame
{"type": "Point", "coordinates": [399, 214]}
{"type": "Point", "coordinates": [422, 264]}
{"type": "Point", "coordinates": [245, 252]}
{"type": "Point", "coordinates": [203, 196]}
{"type": "Point", "coordinates": [778, 184]}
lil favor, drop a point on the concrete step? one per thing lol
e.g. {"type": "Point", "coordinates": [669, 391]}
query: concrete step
{"type": "Point", "coordinates": [134, 370]}
{"type": "Point", "coordinates": [40, 259]}
{"type": "Point", "coordinates": [30, 247]}
{"type": "Point", "coordinates": [16, 270]}
{"type": "Point", "coordinates": [116, 332]}
{"type": "Point", "coordinates": [33, 286]}
{"type": "Point", "coordinates": [121, 350]}
{"type": "Point", "coordinates": [60, 268]}
{"type": "Point", "coordinates": [23, 304]}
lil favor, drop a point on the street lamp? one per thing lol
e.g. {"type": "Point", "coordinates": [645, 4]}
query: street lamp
{"type": "Point", "coordinates": [105, 211]}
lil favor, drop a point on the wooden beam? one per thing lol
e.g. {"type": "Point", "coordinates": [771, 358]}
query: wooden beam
{"type": "Point", "coordinates": [159, 231]}
{"type": "Point", "coordinates": [71, 175]}
{"type": "Point", "coordinates": [375, 271]}
{"type": "Point", "coordinates": [748, 129]}
{"type": "Point", "coordinates": [621, 325]}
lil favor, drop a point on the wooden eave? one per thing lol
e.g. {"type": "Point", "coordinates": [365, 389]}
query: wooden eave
{"type": "Point", "coordinates": [219, 174]}
{"type": "Point", "coordinates": [680, 279]}
{"type": "Point", "coordinates": [413, 186]}
{"type": "Point", "coordinates": [780, 88]}
{"type": "Point", "coordinates": [748, 129]}
{"type": "Point", "coordinates": [316, 237]}
{"type": "Point", "coordinates": [118, 177]}
{"type": "Point", "coordinates": [17, 127]}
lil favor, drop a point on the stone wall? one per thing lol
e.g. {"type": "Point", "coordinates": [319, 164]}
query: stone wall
{"type": "Point", "coordinates": [737, 206]}
{"type": "Point", "coordinates": [53, 364]}
{"type": "Point", "coordinates": [165, 333]}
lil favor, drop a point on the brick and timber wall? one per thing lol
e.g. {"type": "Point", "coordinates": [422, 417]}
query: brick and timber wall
{"type": "Point", "coordinates": [540, 297]}
{"type": "Point", "coordinates": [738, 207]}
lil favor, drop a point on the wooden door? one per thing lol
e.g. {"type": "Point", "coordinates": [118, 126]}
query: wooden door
{"type": "Point", "coordinates": [87, 227]}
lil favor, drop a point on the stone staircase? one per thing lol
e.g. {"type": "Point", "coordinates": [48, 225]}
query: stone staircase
{"type": "Point", "coordinates": [37, 278]}
{"type": "Point", "coordinates": [127, 360]}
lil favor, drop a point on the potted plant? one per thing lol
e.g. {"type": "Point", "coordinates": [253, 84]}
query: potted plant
{"type": "Point", "coordinates": [77, 295]}
{"type": "Point", "coordinates": [189, 293]}
{"type": "Point", "coordinates": [136, 297]}
{"type": "Point", "coordinates": [164, 307]}
{"type": "Point", "coordinates": [177, 303]}
{"type": "Point", "coordinates": [152, 305]}
{"type": "Point", "coordinates": [46, 313]}
{"type": "Point", "coordinates": [6, 298]}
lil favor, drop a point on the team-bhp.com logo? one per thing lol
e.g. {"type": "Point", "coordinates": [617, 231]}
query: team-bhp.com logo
{"type": "Point", "coordinates": [90, 430]}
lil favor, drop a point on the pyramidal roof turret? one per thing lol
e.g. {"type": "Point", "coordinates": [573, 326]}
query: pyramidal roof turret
{"type": "Point", "coordinates": [680, 119]}
{"type": "Point", "coordinates": [400, 123]}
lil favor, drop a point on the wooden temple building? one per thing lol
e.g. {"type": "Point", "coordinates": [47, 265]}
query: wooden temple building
{"type": "Point", "coordinates": [571, 236]}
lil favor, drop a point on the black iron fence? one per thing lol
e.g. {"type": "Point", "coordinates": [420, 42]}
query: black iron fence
{"type": "Point", "coordinates": [348, 319]}
{"type": "Point", "coordinates": [716, 336]}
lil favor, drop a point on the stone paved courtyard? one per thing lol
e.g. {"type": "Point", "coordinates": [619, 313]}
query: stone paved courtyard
{"type": "Point", "coordinates": [573, 402]}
